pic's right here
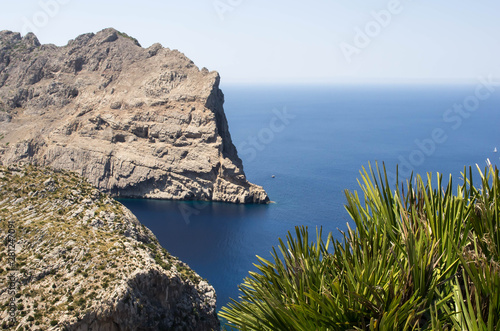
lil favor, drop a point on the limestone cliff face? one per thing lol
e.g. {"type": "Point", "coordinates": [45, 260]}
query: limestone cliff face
{"type": "Point", "coordinates": [136, 122]}
{"type": "Point", "coordinates": [82, 261]}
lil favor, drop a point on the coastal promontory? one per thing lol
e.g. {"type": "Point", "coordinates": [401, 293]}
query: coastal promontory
{"type": "Point", "coordinates": [73, 258]}
{"type": "Point", "coordinates": [136, 122]}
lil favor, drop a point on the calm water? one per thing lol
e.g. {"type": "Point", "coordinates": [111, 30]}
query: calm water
{"type": "Point", "coordinates": [315, 140]}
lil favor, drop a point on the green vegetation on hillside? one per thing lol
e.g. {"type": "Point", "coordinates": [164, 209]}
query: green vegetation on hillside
{"type": "Point", "coordinates": [77, 251]}
{"type": "Point", "coordinates": [123, 34]}
{"type": "Point", "coordinates": [420, 258]}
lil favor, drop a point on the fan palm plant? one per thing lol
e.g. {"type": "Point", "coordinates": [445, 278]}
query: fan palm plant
{"type": "Point", "coordinates": [419, 258]}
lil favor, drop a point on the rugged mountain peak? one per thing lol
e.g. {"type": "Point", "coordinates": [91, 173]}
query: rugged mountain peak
{"type": "Point", "coordinates": [136, 122]}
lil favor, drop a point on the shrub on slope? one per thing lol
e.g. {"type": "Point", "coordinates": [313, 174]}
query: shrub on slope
{"type": "Point", "coordinates": [421, 257]}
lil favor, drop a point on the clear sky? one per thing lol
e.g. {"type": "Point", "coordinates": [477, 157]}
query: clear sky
{"type": "Point", "coordinates": [278, 41]}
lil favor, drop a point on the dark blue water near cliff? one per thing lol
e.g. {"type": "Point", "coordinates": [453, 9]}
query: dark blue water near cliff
{"type": "Point", "coordinates": [314, 140]}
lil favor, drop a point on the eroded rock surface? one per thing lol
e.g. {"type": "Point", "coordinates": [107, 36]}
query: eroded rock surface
{"type": "Point", "coordinates": [135, 122]}
{"type": "Point", "coordinates": [84, 262]}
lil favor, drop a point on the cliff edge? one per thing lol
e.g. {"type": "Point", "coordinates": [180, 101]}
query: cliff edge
{"type": "Point", "coordinates": [135, 122]}
{"type": "Point", "coordinates": [75, 259]}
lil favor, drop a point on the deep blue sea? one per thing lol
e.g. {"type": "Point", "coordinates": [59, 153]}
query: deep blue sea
{"type": "Point", "coordinates": [314, 140]}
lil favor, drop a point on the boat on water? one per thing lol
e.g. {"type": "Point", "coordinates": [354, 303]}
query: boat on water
{"type": "Point", "coordinates": [495, 150]}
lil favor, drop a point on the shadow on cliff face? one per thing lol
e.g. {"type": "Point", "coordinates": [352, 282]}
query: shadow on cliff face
{"type": "Point", "coordinates": [152, 301]}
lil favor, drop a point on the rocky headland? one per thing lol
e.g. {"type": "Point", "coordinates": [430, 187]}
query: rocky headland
{"type": "Point", "coordinates": [72, 258]}
{"type": "Point", "coordinates": [135, 122]}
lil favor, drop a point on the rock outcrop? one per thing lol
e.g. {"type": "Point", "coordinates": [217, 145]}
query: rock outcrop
{"type": "Point", "coordinates": [72, 258]}
{"type": "Point", "coordinates": [135, 122]}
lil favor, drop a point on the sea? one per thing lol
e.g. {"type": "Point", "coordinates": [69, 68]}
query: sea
{"type": "Point", "coordinates": [306, 145]}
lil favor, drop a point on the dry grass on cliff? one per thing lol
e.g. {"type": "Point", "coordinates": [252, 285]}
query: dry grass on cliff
{"type": "Point", "coordinates": [75, 250]}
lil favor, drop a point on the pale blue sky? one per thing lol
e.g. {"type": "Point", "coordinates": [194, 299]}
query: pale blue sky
{"type": "Point", "coordinates": [291, 41]}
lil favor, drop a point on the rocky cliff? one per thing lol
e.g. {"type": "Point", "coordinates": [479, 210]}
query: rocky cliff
{"type": "Point", "coordinates": [82, 261]}
{"type": "Point", "coordinates": [135, 122]}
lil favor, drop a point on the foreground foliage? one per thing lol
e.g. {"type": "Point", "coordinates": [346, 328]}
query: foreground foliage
{"type": "Point", "coordinates": [420, 258]}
